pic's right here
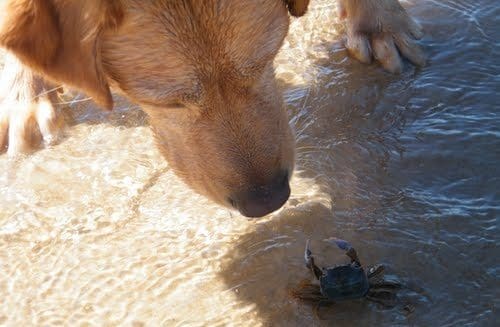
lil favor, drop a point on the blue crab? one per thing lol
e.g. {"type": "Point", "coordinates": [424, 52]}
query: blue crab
{"type": "Point", "coordinates": [347, 281]}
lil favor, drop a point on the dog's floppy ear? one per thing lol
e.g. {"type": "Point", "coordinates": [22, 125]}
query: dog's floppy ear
{"type": "Point", "coordinates": [297, 8]}
{"type": "Point", "coordinates": [60, 39]}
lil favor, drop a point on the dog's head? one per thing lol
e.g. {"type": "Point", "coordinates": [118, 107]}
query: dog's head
{"type": "Point", "coordinates": [202, 70]}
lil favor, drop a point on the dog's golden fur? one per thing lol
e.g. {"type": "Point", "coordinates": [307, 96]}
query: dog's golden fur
{"type": "Point", "coordinates": [202, 71]}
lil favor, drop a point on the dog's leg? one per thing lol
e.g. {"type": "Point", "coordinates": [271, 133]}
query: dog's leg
{"type": "Point", "coordinates": [28, 114]}
{"type": "Point", "coordinates": [378, 29]}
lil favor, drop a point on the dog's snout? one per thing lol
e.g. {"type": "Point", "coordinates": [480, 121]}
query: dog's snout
{"type": "Point", "coordinates": [261, 200]}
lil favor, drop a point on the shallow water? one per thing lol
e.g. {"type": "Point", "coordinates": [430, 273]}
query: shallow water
{"type": "Point", "coordinates": [96, 230]}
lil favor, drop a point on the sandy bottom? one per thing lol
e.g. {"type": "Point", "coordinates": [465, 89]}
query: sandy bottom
{"type": "Point", "coordinates": [96, 230]}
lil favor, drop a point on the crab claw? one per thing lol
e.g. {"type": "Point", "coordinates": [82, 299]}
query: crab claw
{"type": "Point", "coordinates": [307, 255]}
{"type": "Point", "coordinates": [346, 246]}
{"type": "Point", "coordinates": [342, 244]}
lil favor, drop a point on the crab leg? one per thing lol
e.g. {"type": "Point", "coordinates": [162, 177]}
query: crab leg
{"type": "Point", "coordinates": [384, 286]}
{"type": "Point", "coordinates": [387, 299]}
{"type": "Point", "coordinates": [375, 271]}
{"type": "Point", "coordinates": [351, 253]}
{"type": "Point", "coordinates": [321, 304]}
{"type": "Point", "coordinates": [310, 262]}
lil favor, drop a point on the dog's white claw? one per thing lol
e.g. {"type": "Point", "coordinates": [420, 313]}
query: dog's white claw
{"type": "Point", "coordinates": [410, 49]}
{"type": "Point", "coordinates": [48, 121]}
{"type": "Point", "coordinates": [415, 28]}
{"type": "Point", "coordinates": [386, 54]}
{"type": "Point", "coordinates": [359, 47]}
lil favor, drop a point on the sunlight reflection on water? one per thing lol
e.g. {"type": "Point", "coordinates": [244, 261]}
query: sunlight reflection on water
{"type": "Point", "coordinates": [404, 167]}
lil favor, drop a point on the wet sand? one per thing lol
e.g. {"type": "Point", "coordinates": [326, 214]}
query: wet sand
{"type": "Point", "coordinates": [96, 230]}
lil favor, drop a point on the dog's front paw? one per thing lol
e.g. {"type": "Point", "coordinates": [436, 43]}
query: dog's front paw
{"type": "Point", "coordinates": [28, 114]}
{"type": "Point", "coordinates": [378, 29]}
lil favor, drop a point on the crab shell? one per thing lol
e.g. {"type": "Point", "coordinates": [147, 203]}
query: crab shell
{"type": "Point", "coordinates": [344, 282]}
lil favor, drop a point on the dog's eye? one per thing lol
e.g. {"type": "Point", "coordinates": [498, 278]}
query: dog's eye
{"type": "Point", "coordinates": [175, 105]}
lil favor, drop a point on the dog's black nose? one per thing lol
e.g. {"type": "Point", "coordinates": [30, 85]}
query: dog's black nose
{"type": "Point", "coordinates": [260, 200]}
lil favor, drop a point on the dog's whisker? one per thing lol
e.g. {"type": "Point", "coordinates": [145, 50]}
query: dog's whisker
{"type": "Point", "coordinates": [303, 153]}
{"type": "Point", "coordinates": [74, 101]}
{"type": "Point", "coordinates": [313, 147]}
{"type": "Point", "coordinates": [46, 92]}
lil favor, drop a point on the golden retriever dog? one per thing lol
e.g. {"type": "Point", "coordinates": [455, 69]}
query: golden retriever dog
{"type": "Point", "coordinates": [201, 70]}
